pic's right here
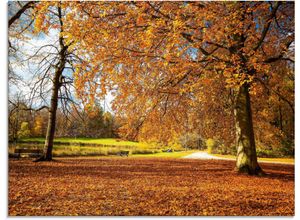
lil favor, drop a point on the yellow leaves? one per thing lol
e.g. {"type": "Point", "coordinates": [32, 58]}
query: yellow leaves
{"type": "Point", "coordinates": [105, 34]}
{"type": "Point", "coordinates": [177, 25]}
{"type": "Point", "coordinates": [102, 14]}
{"type": "Point", "coordinates": [39, 22]}
{"type": "Point", "coordinates": [42, 16]}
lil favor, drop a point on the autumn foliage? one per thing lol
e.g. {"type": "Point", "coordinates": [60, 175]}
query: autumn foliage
{"type": "Point", "coordinates": [182, 62]}
{"type": "Point", "coordinates": [223, 70]}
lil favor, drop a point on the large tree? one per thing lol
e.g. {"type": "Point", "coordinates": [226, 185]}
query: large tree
{"type": "Point", "coordinates": [166, 62]}
{"type": "Point", "coordinates": [160, 56]}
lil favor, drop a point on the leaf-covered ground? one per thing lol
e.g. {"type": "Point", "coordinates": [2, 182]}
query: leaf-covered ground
{"type": "Point", "coordinates": [147, 186]}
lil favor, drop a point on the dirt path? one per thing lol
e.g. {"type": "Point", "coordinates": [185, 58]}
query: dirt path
{"type": "Point", "coordinates": [205, 156]}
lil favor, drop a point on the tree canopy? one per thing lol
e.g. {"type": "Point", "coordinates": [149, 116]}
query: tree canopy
{"type": "Point", "coordinates": [180, 67]}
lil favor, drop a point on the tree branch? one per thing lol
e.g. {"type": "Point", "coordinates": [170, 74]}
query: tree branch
{"type": "Point", "coordinates": [20, 12]}
{"type": "Point", "coordinates": [267, 25]}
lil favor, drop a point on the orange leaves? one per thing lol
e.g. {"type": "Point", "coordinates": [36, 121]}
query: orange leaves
{"type": "Point", "coordinates": [42, 17]}
{"type": "Point", "coordinates": [143, 50]}
{"type": "Point", "coordinates": [140, 21]}
{"type": "Point", "coordinates": [39, 22]}
{"type": "Point", "coordinates": [131, 186]}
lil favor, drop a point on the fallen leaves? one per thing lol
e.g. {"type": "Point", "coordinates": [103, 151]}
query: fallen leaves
{"type": "Point", "coordinates": [113, 186]}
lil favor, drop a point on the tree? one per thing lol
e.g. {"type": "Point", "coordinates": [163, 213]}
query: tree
{"type": "Point", "coordinates": [17, 114]}
{"type": "Point", "coordinates": [38, 127]}
{"type": "Point", "coordinates": [50, 63]}
{"type": "Point", "coordinates": [163, 60]}
{"type": "Point", "coordinates": [24, 130]}
{"type": "Point", "coordinates": [161, 54]}
{"type": "Point", "coordinates": [57, 83]}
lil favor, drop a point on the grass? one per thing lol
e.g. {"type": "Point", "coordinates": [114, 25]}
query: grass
{"type": "Point", "coordinates": [179, 154]}
{"type": "Point", "coordinates": [95, 141]}
{"type": "Point", "coordinates": [66, 147]}
{"type": "Point", "coordinates": [110, 146]}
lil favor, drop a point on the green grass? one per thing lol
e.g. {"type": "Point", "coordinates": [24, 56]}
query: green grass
{"type": "Point", "coordinates": [96, 141]}
{"type": "Point", "coordinates": [100, 151]}
{"type": "Point", "coordinates": [64, 147]}
{"type": "Point", "coordinates": [178, 154]}
{"type": "Point", "coordinates": [166, 155]}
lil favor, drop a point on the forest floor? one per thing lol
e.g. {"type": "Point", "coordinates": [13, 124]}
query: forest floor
{"type": "Point", "coordinates": [147, 186]}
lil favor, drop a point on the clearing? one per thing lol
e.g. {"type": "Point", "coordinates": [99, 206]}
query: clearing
{"type": "Point", "coordinates": [147, 186]}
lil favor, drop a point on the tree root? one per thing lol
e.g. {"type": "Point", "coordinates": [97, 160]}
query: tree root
{"type": "Point", "coordinates": [246, 169]}
{"type": "Point", "coordinates": [42, 158]}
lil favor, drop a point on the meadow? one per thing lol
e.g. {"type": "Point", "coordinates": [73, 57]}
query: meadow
{"type": "Point", "coordinates": [101, 147]}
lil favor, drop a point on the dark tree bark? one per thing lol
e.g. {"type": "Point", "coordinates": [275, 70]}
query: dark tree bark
{"type": "Point", "coordinates": [246, 150]}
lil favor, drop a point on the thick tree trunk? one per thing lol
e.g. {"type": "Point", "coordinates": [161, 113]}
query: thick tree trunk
{"type": "Point", "coordinates": [246, 150]}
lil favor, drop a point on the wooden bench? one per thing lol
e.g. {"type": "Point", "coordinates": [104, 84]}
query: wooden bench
{"type": "Point", "coordinates": [28, 152]}
{"type": "Point", "coordinates": [123, 153]}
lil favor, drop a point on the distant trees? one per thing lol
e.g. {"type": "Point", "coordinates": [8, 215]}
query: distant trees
{"type": "Point", "coordinates": [28, 123]}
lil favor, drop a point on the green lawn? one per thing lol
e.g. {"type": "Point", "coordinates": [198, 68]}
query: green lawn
{"type": "Point", "coordinates": [96, 141]}
{"type": "Point", "coordinates": [99, 147]}
{"type": "Point", "coordinates": [178, 154]}
{"type": "Point", "coordinates": [110, 146]}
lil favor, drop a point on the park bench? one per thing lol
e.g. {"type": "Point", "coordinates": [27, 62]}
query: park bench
{"type": "Point", "coordinates": [28, 152]}
{"type": "Point", "coordinates": [123, 153]}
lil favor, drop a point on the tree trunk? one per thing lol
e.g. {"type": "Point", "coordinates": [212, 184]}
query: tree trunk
{"type": "Point", "coordinates": [48, 147]}
{"type": "Point", "coordinates": [51, 119]}
{"type": "Point", "coordinates": [246, 150]}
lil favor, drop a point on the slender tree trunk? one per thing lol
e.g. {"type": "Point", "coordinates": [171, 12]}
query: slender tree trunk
{"type": "Point", "coordinates": [246, 150]}
{"type": "Point", "coordinates": [52, 119]}
{"type": "Point", "coordinates": [48, 147]}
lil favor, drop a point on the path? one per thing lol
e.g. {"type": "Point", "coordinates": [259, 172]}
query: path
{"type": "Point", "coordinates": [206, 156]}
